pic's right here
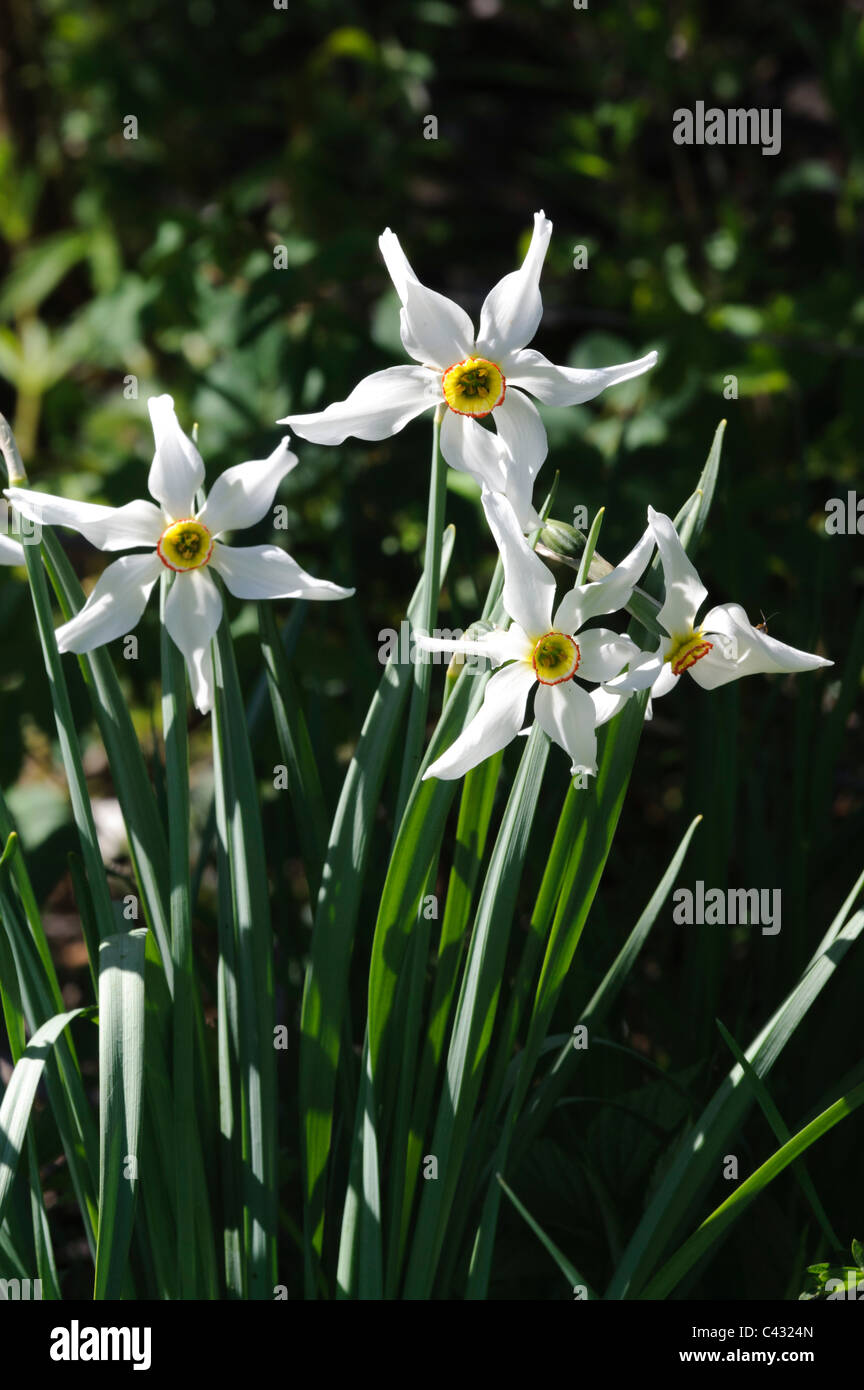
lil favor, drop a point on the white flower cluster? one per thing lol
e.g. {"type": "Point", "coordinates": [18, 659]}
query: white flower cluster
{"type": "Point", "coordinates": [464, 377]}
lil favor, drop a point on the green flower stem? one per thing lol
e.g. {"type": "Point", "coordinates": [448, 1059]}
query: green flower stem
{"type": "Point", "coordinates": [188, 1167]}
{"type": "Point", "coordinates": [427, 617]}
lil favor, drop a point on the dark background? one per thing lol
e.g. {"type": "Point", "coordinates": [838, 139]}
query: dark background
{"type": "Point", "coordinates": [303, 128]}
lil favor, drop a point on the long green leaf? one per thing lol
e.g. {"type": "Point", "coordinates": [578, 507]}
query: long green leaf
{"type": "Point", "coordinates": [21, 1092]}
{"type": "Point", "coordinates": [121, 1068]}
{"type": "Point", "coordinates": [34, 986]}
{"type": "Point", "coordinates": [307, 796]}
{"type": "Point", "coordinates": [147, 844]}
{"type": "Point", "coordinates": [253, 963]}
{"type": "Point", "coordinates": [597, 1008]}
{"type": "Point", "coordinates": [325, 989]}
{"type": "Point", "coordinates": [570, 1272]}
{"type": "Point", "coordinates": [781, 1132]}
{"type": "Point", "coordinates": [696, 1159]}
{"type": "Point", "coordinates": [475, 1015]}
{"type": "Point", "coordinates": [69, 746]}
{"type": "Point", "coordinates": [736, 1204]}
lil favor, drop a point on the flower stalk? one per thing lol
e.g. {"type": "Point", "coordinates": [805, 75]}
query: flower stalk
{"type": "Point", "coordinates": [419, 704]}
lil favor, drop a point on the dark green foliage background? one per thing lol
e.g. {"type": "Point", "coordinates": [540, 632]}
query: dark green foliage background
{"type": "Point", "coordinates": [303, 128]}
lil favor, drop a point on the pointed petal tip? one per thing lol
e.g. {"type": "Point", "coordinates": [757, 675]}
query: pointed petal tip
{"type": "Point", "coordinates": [158, 405]}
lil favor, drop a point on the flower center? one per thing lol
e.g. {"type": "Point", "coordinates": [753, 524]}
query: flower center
{"type": "Point", "coordinates": [686, 651]}
{"type": "Point", "coordinates": [185, 545]}
{"type": "Point", "coordinates": [555, 658]}
{"type": "Point", "coordinates": [473, 387]}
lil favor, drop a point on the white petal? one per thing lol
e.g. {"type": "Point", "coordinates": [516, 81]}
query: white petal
{"type": "Point", "coordinates": [566, 712]}
{"type": "Point", "coordinates": [115, 605]}
{"type": "Point", "coordinates": [643, 672]}
{"type": "Point", "coordinates": [685, 592]}
{"type": "Point", "coordinates": [11, 552]}
{"type": "Point", "coordinates": [493, 726]}
{"type": "Point", "coordinates": [497, 646]}
{"type": "Point", "coordinates": [740, 650]}
{"type": "Point", "coordinates": [244, 493]}
{"type": "Point", "coordinates": [529, 588]}
{"type": "Point", "coordinates": [435, 331]}
{"type": "Point", "coordinates": [470, 448]}
{"type": "Point", "coordinates": [177, 470]}
{"type": "Point", "coordinates": [607, 703]}
{"type": "Point", "coordinates": [512, 311]}
{"type": "Point", "coordinates": [193, 609]}
{"type": "Point", "coordinates": [585, 601]}
{"type": "Point", "coordinates": [518, 422]}
{"type": "Point", "coordinates": [399, 267]}
{"type": "Point", "coordinates": [467, 446]}
{"type": "Point", "coordinates": [109, 528]}
{"type": "Point", "coordinates": [266, 571]}
{"type": "Point", "coordinates": [666, 681]}
{"type": "Point", "coordinates": [518, 493]}
{"type": "Point", "coordinates": [568, 385]}
{"type": "Point", "coordinates": [379, 406]}
{"type": "Point", "coordinates": [603, 653]}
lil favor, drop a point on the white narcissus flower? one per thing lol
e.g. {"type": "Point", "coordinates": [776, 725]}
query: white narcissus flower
{"type": "Point", "coordinates": [184, 541]}
{"type": "Point", "coordinates": [473, 375]}
{"type": "Point", "coordinates": [543, 653]}
{"type": "Point", "coordinates": [723, 647]}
